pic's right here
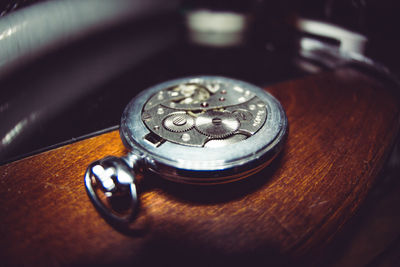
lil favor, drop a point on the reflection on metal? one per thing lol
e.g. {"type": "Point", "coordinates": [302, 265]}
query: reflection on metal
{"type": "Point", "coordinates": [109, 179]}
{"type": "Point", "coordinates": [225, 142]}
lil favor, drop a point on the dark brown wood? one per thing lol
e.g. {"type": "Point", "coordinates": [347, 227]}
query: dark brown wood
{"type": "Point", "coordinates": [342, 126]}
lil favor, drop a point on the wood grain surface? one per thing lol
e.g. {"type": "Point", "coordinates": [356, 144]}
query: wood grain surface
{"type": "Point", "coordinates": [342, 126]}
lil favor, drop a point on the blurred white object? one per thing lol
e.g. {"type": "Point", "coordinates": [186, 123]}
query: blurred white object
{"type": "Point", "coordinates": [216, 28]}
{"type": "Point", "coordinates": [349, 41]}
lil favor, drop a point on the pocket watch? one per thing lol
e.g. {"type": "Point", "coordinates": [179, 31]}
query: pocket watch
{"type": "Point", "coordinates": [199, 130]}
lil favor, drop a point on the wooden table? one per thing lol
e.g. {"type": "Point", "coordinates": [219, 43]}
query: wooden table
{"type": "Point", "coordinates": [342, 127]}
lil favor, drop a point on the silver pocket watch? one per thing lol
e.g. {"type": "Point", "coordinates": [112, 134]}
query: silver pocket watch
{"type": "Point", "coordinates": [198, 130]}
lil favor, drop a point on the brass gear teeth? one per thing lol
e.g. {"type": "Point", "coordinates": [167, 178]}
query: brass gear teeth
{"type": "Point", "coordinates": [178, 122]}
{"type": "Point", "coordinates": [217, 124]}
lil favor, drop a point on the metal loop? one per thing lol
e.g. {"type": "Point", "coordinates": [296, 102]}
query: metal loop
{"type": "Point", "coordinates": [115, 179]}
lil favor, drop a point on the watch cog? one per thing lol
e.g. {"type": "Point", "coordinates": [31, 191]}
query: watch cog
{"type": "Point", "coordinates": [178, 122]}
{"type": "Point", "coordinates": [217, 124]}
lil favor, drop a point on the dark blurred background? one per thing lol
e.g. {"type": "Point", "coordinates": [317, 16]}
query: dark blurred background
{"type": "Point", "coordinates": [82, 84]}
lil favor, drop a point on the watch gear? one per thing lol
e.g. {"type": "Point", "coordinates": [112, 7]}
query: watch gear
{"type": "Point", "coordinates": [217, 124]}
{"type": "Point", "coordinates": [178, 122]}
